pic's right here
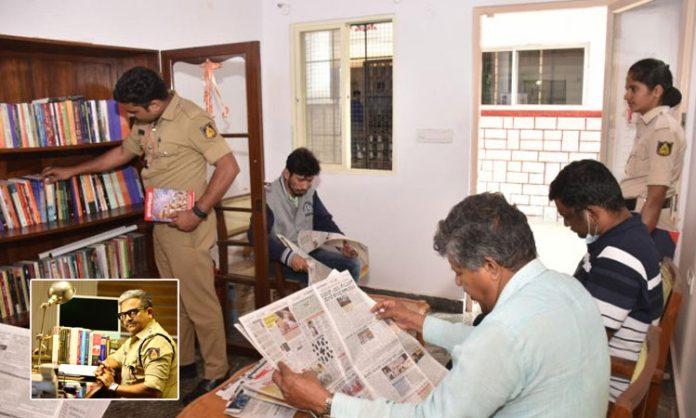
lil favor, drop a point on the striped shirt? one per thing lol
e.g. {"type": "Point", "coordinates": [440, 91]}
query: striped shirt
{"type": "Point", "coordinates": [621, 271]}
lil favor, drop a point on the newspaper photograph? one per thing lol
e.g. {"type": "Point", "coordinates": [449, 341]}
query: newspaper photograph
{"type": "Point", "coordinates": [328, 328]}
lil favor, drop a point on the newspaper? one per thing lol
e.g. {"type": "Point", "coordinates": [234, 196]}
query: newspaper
{"type": "Point", "coordinates": [308, 241]}
{"type": "Point", "coordinates": [316, 270]}
{"type": "Point", "coordinates": [244, 402]}
{"type": "Point", "coordinates": [328, 328]}
{"type": "Point", "coordinates": [15, 365]}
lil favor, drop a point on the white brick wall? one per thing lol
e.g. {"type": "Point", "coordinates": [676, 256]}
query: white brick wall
{"type": "Point", "coordinates": [521, 178]}
{"type": "Point", "coordinates": [491, 122]}
{"type": "Point", "coordinates": [524, 123]}
{"type": "Point", "coordinates": [520, 155]}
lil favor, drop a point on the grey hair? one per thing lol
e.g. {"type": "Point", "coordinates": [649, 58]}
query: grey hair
{"type": "Point", "coordinates": [145, 298]}
{"type": "Point", "coordinates": [485, 225]}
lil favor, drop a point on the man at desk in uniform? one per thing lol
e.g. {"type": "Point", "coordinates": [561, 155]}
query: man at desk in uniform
{"type": "Point", "coordinates": [147, 359]}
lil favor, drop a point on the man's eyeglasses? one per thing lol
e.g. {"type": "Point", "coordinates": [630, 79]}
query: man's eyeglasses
{"type": "Point", "coordinates": [130, 313]}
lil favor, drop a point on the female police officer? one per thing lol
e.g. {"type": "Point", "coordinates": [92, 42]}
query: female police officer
{"type": "Point", "coordinates": [655, 163]}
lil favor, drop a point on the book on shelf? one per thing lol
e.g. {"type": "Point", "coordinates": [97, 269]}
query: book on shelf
{"type": "Point", "coordinates": [78, 346]}
{"type": "Point", "coordinates": [28, 200]}
{"type": "Point", "coordinates": [123, 256]}
{"type": "Point", "coordinates": [14, 287]}
{"type": "Point", "coordinates": [162, 204]}
{"type": "Point", "coordinates": [61, 121]}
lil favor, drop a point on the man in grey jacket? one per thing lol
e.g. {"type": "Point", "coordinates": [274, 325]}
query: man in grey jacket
{"type": "Point", "coordinates": [293, 205]}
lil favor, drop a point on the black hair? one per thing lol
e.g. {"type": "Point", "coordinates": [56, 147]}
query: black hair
{"type": "Point", "coordinates": [653, 72]}
{"type": "Point", "coordinates": [584, 183]}
{"type": "Point", "coordinates": [140, 86]}
{"type": "Point", "coordinates": [485, 225]}
{"type": "Point", "coordinates": [302, 162]}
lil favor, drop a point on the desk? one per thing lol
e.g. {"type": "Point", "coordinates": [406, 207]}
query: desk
{"type": "Point", "coordinates": [212, 406]}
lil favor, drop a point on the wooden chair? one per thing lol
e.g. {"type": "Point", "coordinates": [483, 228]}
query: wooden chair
{"type": "Point", "coordinates": [233, 216]}
{"type": "Point", "coordinates": [668, 322]}
{"type": "Point", "coordinates": [633, 402]}
{"type": "Point", "coordinates": [674, 285]}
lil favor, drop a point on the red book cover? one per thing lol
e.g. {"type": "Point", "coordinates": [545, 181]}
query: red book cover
{"type": "Point", "coordinates": [33, 205]}
{"type": "Point", "coordinates": [48, 125]}
{"type": "Point", "coordinates": [162, 204]}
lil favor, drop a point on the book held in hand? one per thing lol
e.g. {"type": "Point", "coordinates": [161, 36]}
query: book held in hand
{"type": "Point", "coordinates": [162, 204]}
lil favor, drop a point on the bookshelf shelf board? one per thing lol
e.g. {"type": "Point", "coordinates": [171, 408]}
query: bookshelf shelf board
{"type": "Point", "coordinates": [34, 231]}
{"type": "Point", "coordinates": [18, 320]}
{"type": "Point", "coordinates": [64, 148]}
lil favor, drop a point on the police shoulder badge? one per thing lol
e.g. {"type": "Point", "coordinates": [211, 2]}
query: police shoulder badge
{"type": "Point", "coordinates": [152, 353]}
{"type": "Point", "coordinates": [664, 148]}
{"type": "Point", "coordinates": [209, 131]}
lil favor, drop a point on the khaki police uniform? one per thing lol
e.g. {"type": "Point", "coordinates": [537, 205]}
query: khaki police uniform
{"type": "Point", "coordinates": [655, 160]}
{"type": "Point", "coordinates": [159, 369]}
{"type": "Point", "coordinates": [177, 149]}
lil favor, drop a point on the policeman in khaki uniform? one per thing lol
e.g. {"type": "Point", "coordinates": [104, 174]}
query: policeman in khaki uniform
{"type": "Point", "coordinates": [655, 163]}
{"type": "Point", "coordinates": [177, 140]}
{"type": "Point", "coordinates": [147, 360]}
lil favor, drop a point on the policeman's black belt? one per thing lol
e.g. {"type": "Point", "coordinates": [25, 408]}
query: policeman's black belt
{"type": "Point", "coordinates": [631, 203]}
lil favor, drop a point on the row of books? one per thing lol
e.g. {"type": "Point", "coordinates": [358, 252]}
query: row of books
{"type": "Point", "coordinates": [28, 200]}
{"type": "Point", "coordinates": [14, 287]}
{"type": "Point", "coordinates": [81, 346]}
{"type": "Point", "coordinates": [122, 257]}
{"type": "Point", "coordinates": [61, 121]}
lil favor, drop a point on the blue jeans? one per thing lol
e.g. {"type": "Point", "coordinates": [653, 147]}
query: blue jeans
{"type": "Point", "coordinates": [332, 260]}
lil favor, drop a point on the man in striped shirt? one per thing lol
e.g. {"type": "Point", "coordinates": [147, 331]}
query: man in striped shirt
{"type": "Point", "coordinates": [621, 269]}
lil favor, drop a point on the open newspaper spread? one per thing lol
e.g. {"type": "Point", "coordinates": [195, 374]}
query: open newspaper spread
{"type": "Point", "coordinates": [328, 328]}
{"type": "Point", "coordinates": [308, 241]}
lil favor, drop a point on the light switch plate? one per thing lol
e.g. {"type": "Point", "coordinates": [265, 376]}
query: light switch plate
{"type": "Point", "coordinates": [434, 135]}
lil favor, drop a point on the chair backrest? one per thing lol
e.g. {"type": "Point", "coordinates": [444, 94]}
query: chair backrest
{"type": "Point", "coordinates": [671, 311]}
{"type": "Point", "coordinates": [631, 403]}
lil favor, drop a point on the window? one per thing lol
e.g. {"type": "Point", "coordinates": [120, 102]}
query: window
{"type": "Point", "coordinates": [343, 93]}
{"type": "Point", "coordinates": [541, 77]}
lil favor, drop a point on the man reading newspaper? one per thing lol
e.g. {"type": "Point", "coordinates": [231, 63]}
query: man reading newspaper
{"type": "Point", "coordinates": [540, 351]}
{"type": "Point", "coordinates": [293, 205]}
{"type": "Point", "coordinates": [328, 330]}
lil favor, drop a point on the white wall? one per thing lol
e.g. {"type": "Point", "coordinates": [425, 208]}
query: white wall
{"type": "Point", "coordinates": [152, 24]}
{"type": "Point", "coordinates": [684, 342]}
{"type": "Point", "coordinates": [585, 28]}
{"type": "Point", "coordinates": [394, 214]}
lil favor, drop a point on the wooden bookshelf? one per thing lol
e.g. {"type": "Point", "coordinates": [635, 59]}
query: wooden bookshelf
{"type": "Point", "coordinates": [103, 146]}
{"type": "Point", "coordinates": [45, 231]}
{"type": "Point", "coordinates": [32, 68]}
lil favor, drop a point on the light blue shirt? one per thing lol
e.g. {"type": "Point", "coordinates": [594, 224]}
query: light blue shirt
{"type": "Point", "coordinates": [541, 352]}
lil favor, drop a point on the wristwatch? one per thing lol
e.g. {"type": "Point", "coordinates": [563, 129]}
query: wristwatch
{"type": "Point", "coordinates": [327, 406]}
{"type": "Point", "coordinates": [113, 387]}
{"type": "Point", "coordinates": [198, 212]}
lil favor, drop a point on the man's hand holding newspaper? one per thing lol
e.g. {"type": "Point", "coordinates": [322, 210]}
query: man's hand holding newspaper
{"type": "Point", "coordinates": [304, 390]}
{"type": "Point", "coordinates": [329, 341]}
{"type": "Point", "coordinates": [403, 317]}
{"type": "Point", "coordinates": [301, 390]}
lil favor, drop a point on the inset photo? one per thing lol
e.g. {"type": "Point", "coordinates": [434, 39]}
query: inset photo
{"type": "Point", "coordinates": [105, 338]}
